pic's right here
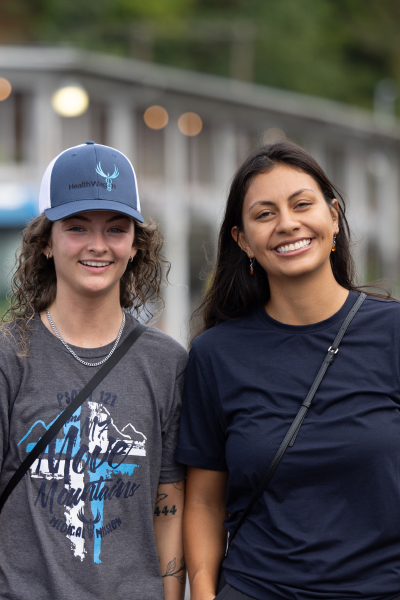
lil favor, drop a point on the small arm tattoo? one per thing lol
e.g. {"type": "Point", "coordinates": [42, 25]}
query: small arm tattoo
{"type": "Point", "coordinates": [173, 510]}
{"type": "Point", "coordinates": [172, 570]}
{"type": "Point", "coordinates": [161, 497]}
{"type": "Point", "coordinates": [178, 485]}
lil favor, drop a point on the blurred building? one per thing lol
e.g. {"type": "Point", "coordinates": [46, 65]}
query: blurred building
{"type": "Point", "coordinates": [184, 163]}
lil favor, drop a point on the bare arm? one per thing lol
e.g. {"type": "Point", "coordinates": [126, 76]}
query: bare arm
{"type": "Point", "coordinates": [168, 519]}
{"type": "Point", "coordinates": [204, 533]}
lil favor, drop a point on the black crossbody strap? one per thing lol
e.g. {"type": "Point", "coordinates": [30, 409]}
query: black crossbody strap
{"type": "Point", "coordinates": [69, 411]}
{"type": "Point", "coordinates": [293, 430]}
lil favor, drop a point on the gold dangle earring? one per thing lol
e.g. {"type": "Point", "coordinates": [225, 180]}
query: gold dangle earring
{"type": "Point", "coordinates": [251, 266]}
{"type": "Point", "coordinates": [334, 244]}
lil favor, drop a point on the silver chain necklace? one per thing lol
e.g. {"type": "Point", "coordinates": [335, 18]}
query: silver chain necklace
{"type": "Point", "coordinates": [87, 364]}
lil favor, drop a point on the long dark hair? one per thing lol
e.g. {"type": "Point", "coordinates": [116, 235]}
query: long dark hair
{"type": "Point", "coordinates": [34, 281]}
{"type": "Point", "coordinates": [232, 293]}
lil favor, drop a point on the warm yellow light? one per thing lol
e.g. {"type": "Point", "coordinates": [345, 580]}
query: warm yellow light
{"type": "Point", "coordinates": [70, 101]}
{"type": "Point", "coordinates": [273, 135]}
{"type": "Point", "coordinates": [5, 88]}
{"type": "Point", "coordinates": [190, 124]}
{"type": "Point", "coordinates": [155, 117]}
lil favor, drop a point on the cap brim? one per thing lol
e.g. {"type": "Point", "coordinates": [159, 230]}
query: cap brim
{"type": "Point", "coordinates": [72, 208]}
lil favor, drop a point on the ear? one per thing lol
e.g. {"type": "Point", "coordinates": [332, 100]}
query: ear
{"type": "Point", "coordinates": [240, 239]}
{"type": "Point", "coordinates": [47, 251]}
{"type": "Point", "coordinates": [334, 208]}
{"type": "Point", "coordinates": [134, 250]}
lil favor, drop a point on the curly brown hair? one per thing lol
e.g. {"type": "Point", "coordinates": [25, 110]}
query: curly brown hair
{"type": "Point", "coordinates": [34, 281]}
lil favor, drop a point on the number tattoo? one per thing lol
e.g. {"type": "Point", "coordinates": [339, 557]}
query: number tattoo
{"type": "Point", "coordinates": [165, 510]}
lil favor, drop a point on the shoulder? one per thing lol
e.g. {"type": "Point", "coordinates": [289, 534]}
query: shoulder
{"type": "Point", "coordinates": [378, 318]}
{"type": "Point", "coordinates": [15, 358]}
{"type": "Point", "coordinates": [226, 335]}
{"type": "Point", "coordinates": [381, 308]}
{"type": "Point", "coordinates": [10, 340]}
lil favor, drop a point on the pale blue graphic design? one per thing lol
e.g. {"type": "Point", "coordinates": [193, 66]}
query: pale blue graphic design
{"type": "Point", "coordinates": [104, 470]}
{"type": "Point", "coordinates": [108, 177]}
{"type": "Point", "coordinates": [39, 422]}
{"type": "Point", "coordinates": [98, 505]}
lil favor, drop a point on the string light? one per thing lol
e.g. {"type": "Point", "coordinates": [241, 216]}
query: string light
{"type": "Point", "coordinates": [156, 117]}
{"type": "Point", "coordinates": [5, 88]}
{"type": "Point", "coordinates": [70, 101]}
{"type": "Point", "coordinates": [190, 124]}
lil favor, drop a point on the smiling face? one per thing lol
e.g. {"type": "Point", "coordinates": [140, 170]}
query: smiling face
{"type": "Point", "coordinates": [287, 224]}
{"type": "Point", "coordinates": [91, 251]}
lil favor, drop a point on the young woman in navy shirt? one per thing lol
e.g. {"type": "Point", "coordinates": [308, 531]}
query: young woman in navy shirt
{"type": "Point", "coordinates": [327, 527]}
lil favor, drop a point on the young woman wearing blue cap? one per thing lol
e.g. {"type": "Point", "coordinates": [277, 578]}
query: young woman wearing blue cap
{"type": "Point", "coordinates": [276, 411]}
{"type": "Point", "coordinates": [99, 513]}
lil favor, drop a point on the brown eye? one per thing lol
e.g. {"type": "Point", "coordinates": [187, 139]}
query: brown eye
{"type": "Point", "coordinates": [266, 213]}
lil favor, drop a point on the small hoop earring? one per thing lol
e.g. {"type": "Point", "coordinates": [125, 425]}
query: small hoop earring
{"type": "Point", "coordinates": [48, 255]}
{"type": "Point", "coordinates": [334, 244]}
{"type": "Point", "coordinates": [252, 266]}
{"type": "Point", "coordinates": [130, 259]}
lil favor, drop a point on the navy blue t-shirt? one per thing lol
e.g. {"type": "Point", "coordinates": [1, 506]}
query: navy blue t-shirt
{"type": "Point", "coordinates": [328, 525]}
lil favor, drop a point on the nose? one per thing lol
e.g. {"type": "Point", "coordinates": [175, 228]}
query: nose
{"type": "Point", "coordinates": [288, 221]}
{"type": "Point", "coordinates": [97, 243]}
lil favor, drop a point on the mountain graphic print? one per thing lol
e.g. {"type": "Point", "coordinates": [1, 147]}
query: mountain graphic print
{"type": "Point", "coordinates": [87, 466]}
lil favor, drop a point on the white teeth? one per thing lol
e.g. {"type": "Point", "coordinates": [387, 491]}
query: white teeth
{"type": "Point", "coordinates": [292, 247]}
{"type": "Point", "coordinates": [91, 263]}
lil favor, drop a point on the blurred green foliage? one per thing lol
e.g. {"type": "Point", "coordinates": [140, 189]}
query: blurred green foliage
{"type": "Point", "coordinates": [334, 48]}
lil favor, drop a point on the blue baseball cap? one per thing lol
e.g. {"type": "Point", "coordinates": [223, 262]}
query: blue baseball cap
{"type": "Point", "coordinates": [89, 177]}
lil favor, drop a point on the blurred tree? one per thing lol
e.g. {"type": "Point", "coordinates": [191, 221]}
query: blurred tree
{"type": "Point", "coordinates": [334, 48]}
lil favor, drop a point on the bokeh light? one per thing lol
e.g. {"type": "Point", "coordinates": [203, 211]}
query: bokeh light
{"type": "Point", "coordinates": [156, 117]}
{"type": "Point", "coordinates": [190, 124]}
{"type": "Point", "coordinates": [273, 135]}
{"type": "Point", "coordinates": [70, 101]}
{"type": "Point", "coordinates": [5, 88]}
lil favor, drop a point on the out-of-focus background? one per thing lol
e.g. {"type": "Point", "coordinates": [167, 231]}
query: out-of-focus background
{"type": "Point", "coordinates": [187, 88]}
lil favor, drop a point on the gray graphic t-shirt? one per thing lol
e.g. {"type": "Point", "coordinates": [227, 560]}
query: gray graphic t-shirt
{"type": "Point", "coordinates": [80, 523]}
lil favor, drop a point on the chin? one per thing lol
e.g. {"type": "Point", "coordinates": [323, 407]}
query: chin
{"type": "Point", "coordinates": [93, 290]}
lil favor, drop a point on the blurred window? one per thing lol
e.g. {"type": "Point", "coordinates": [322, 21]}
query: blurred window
{"type": "Point", "coordinates": [335, 167]}
{"type": "Point", "coordinates": [372, 194]}
{"type": "Point", "coordinates": [98, 122]}
{"type": "Point", "coordinates": [15, 127]}
{"type": "Point", "coordinates": [150, 149]}
{"type": "Point", "coordinates": [200, 157]}
{"type": "Point", "coordinates": [245, 143]}
{"type": "Point", "coordinates": [75, 130]}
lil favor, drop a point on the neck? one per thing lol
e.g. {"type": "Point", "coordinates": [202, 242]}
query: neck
{"type": "Point", "coordinates": [304, 302]}
{"type": "Point", "coordinates": [86, 322]}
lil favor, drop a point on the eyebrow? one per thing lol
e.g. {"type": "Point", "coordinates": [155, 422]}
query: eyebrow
{"type": "Point", "coordinates": [110, 220]}
{"type": "Point", "coordinates": [270, 203]}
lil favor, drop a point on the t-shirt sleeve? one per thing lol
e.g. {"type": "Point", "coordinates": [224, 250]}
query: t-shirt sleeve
{"type": "Point", "coordinates": [171, 471]}
{"type": "Point", "coordinates": [201, 438]}
{"type": "Point", "coordinates": [4, 417]}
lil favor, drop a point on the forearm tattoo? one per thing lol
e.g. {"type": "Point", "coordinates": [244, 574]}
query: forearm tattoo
{"type": "Point", "coordinates": [172, 570]}
{"type": "Point", "coordinates": [178, 485]}
{"type": "Point", "coordinates": [161, 497]}
{"type": "Point", "coordinates": [173, 510]}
